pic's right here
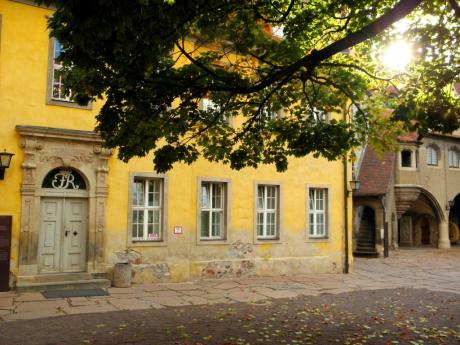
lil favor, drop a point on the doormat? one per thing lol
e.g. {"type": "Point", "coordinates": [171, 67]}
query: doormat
{"type": "Point", "coordinates": [74, 293]}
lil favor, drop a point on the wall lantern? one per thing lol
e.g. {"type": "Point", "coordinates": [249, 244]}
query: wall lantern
{"type": "Point", "coordinates": [5, 160]}
{"type": "Point", "coordinates": [355, 185]}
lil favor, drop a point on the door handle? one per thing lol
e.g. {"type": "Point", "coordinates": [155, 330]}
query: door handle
{"type": "Point", "coordinates": [66, 233]}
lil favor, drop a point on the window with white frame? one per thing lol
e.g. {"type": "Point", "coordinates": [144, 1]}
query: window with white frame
{"type": "Point", "coordinates": [431, 155]}
{"type": "Point", "coordinates": [267, 211]}
{"type": "Point", "coordinates": [268, 113]}
{"type": "Point", "coordinates": [207, 104]}
{"type": "Point", "coordinates": [453, 158]}
{"type": "Point", "coordinates": [213, 197]}
{"type": "Point", "coordinates": [147, 209]}
{"type": "Point", "coordinates": [57, 87]}
{"type": "Point", "coordinates": [319, 115]}
{"type": "Point", "coordinates": [317, 212]}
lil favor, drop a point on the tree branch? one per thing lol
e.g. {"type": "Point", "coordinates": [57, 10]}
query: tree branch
{"type": "Point", "coordinates": [455, 6]}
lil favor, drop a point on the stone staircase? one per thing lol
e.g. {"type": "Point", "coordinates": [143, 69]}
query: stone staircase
{"type": "Point", "coordinates": [365, 245]}
{"type": "Point", "coordinates": [60, 281]}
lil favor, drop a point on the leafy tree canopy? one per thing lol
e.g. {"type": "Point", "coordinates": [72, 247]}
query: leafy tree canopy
{"type": "Point", "coordinates": [134, 55]}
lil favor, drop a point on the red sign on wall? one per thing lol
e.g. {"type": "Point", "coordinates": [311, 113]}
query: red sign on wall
{"type": "Point", "coordinates": [5, 251]}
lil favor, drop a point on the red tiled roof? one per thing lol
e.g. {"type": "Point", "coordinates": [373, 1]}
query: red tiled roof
{"type": "Point", "coordinates": [375, 173]}
{"type": "Point", "coordinates": [408, 138]}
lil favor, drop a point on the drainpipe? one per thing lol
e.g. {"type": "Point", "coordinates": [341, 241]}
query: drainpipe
{"type": "Point", "coordinates": [346, 266]}
{"type": "Point", "coordinates": [385, 229]}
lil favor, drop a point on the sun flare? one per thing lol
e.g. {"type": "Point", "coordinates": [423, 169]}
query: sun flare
{"type": "Point", "coordinates": [397, 55]}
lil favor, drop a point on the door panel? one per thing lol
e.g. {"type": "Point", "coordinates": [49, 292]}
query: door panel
{"type": "Point", "coordinates": [74, 243]}
{"type": "Point", "coordinates": [62, 239]}
{"type": "Point", "coordinates": [50, 236]}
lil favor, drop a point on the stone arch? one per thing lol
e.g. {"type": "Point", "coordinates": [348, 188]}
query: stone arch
{"type": "Point", "coordinates": [46, 149]}
{"type": "Point", "coordinates": [434, 204]}
{"type": "Point", "coordinates": [408, 195]}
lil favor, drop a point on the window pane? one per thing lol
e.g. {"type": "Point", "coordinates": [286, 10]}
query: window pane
{"type": "Point", "coordinates": [271, 198]}
{"type": "Point", "coordinates": [205, 195]}
{"type": "Point", "coordinates": [138, 193]}
{"type": "Point", "coordinates": [204, 223]}
{"type": "Point", "coordinates": [154, 193]}
{"type": "Point", "coordinates": [138, 223]}
{"type": "Point", "coordinates": [217, 223]}
{"type": "Point", "coordinates": [57, 48]}
{"type": "Point", "coordinates": [311, 199]}
{"type": "Point", "coordinates": [217, 195]}
{"type": "Point", "coordinates": [260, 224]}
{"type": "Point", "coordinates": [260, 197]}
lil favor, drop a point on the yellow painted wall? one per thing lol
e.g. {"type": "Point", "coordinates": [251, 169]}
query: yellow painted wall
{"type": "Point", "coordinates": [23, 79]}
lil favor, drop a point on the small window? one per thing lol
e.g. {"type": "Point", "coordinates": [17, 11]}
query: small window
{"type": "Point", "coordinates": [431, 156]}
{"type": "Point", "coordinates": [406, 158]}
{"type": "Point", "coordinates": [267, 212]}
{"type": "Point", "coordinates": [147, 209]}
{"type": "Point", "coordinates": [213, 200]}
{"type": "Point", "coordinates": [453, 158]}
{"type": "Point", "coordinates": [57, 86]}
{"type": "Point", "coordinates": [208, 104]}
{"type": "Point", "coordinates": [317, 212]}
{"type": "Point", "coordinates": [319, 115]}
{"type": "Point", "coordinates": [268, 113]}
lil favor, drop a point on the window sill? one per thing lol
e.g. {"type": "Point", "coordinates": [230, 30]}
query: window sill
{"type": "Point", "coordinates": [68, 104]}
{"type": "Point", "coordinates": [210, 242]}
{"type": "Point", "coordinates": [268, 241]}
{"type": "Point", "coordinates": [433, 166]}
{"type": "Point", "coordinates": [147, 243]}
{"type": "Point", "coordinates": [408, 168]}
{"type": "Point", "coordinates": [318, 239]}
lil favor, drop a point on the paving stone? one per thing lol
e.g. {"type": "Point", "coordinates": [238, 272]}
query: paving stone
{"type": "Point", "coordinates": [244, 296]}
{"type": "Point", "coordinates": [166, 293]}
{"type": "Point", "coordinates": [30, 296]}
{"type": "Point", "coordinates": [37, 306]}
{"type": "Point", "coordinates": [169, 301]}
{"type": "Point", "coordinates": [6, 303]}
{"type": "Point", "coordinates": [275, 293]}
{"type": "Point", "coordinates": [32, 315]}
{"type": "Point", "coordinates": [227, 285]}
{"type": "Point", "coordinates": [88, 309]}
{"type": "Point", "coordinates": [150, 287]}
{"type": "Point", "coordinates": [195, 300]}
{"type": "Point", "coordinates": [181, 286]}
{"type": "Point", "coordinates": [129, 303]}
{"type": "Point", "coordinates": [199, 293]}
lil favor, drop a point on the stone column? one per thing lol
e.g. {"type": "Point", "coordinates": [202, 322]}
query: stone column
{"type": "Point", "coordinates": [444, 241]}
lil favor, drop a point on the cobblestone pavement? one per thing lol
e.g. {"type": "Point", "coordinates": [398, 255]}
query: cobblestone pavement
{"type": "Point", "coordinates": [432, 269]}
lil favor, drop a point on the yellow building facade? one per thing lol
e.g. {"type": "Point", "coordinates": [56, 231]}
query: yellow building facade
{"type": "Point", "coordinates": [77, 210]}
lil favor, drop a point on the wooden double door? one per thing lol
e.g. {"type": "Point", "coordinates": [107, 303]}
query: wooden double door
{"type": "Point", "coordinates": [63, 233]}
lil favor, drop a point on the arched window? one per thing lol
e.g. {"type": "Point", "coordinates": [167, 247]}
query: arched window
{"type": "Point", "coordinates": [431, 155]}
{"type": "Point", "coordinates": [64, 178]}
{"type": "Point", "coordinates": [453, 158]}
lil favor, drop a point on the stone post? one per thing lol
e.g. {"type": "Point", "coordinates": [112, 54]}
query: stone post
{"type": "Point", "coordinates": [444, 241]}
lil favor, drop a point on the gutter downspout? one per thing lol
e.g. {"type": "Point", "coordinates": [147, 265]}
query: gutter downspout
{"type": "Point", "coordinates": [346, 194]}
{"type": "Point", "coordinates": [346, 265]}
